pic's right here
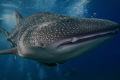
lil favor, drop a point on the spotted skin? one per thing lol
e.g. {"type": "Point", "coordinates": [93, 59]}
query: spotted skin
{"type": "Point", "coordinates": [51, 38]}
{"type": "Point", "coordinates": [47, 27]}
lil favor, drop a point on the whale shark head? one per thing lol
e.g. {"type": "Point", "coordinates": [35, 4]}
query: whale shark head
{"type": "Point", "coordinates": [52, 38]}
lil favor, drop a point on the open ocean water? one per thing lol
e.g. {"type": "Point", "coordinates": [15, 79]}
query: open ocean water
{"type": "Point", "coordinates": [100, 64]}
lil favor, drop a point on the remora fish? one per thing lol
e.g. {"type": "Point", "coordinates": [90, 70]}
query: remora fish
{"type": "Point", "coordinates": [52, 38]}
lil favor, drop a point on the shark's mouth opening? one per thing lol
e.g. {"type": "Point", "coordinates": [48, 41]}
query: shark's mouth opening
{"type": "Point", "coordinates": [85, 38]}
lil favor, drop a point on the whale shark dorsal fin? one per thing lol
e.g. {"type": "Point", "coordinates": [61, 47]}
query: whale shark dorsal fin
{"type": "Point", "coordinates": [18, 16]}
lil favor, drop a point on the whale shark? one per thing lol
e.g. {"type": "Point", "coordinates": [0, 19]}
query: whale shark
{"type": "Point", "coordinates": [52, 39]}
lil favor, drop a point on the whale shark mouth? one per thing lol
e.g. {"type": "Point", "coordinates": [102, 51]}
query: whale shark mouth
{"type": "Point", "coordinates": [85, 38]}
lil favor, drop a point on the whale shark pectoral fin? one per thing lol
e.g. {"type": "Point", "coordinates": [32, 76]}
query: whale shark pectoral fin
{"type": "Point", "coordinates": [48, 64]}
{"type": "Point", "coordinates": [9, 51]}
{"type": "Point", "coordinates": [6, 34]}
{"type": "Point", "coordinates": [18, 16]}
{"type": "Point", "coordinates": [61, 62]}
{"type": "Point", "coordinates": [51, 64]}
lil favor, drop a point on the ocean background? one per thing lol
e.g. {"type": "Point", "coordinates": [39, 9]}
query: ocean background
{"type": "Point", "coordinates": [100, 64]}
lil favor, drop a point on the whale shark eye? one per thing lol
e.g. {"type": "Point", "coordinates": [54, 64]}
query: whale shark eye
{"type": "Point", "coordinates": [42, 45]}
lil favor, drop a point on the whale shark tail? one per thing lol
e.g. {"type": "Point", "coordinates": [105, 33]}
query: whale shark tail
{"type": "Point", "coordinates": [6, 34]}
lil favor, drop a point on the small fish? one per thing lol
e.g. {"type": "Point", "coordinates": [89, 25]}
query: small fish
{"type": "Point", "coordinates": [51, 38]}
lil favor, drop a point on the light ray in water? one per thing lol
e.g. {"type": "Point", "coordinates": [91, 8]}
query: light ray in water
{"type": "Point", "coordinates": [21, 64]}
{"type": "Point", "coordinates": [41, 72]}
{"type": "Point", "coordinates": [9, 62]}
{"type": "Point", "coordinates": [7, 16]}
{"type": "Point", "coordinates": [57, 69]}
{"type": "Point", "coordinates": [9, 5]}
{"type": "Point", "coordinates": [44, 4]}
{"type": "Point", "coordinates": [77, 9]}
{"type": "Point", "coordinates": [29, 76]}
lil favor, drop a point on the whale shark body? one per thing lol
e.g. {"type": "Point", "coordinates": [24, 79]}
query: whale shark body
{"type": "Point", "coordinates": [51, 38]}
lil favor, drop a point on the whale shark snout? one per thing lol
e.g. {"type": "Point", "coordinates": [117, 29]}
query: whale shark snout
{"type": "Point", "coordinates": [52, 38]}
{"type": "Point", "coordinates": [85, 30]}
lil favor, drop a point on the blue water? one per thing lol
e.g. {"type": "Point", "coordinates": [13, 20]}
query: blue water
{"type": "Point", "coordinates": [101, 64]}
